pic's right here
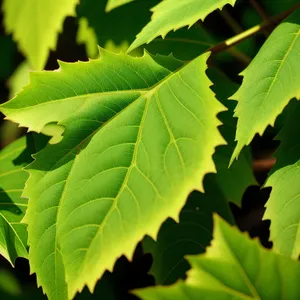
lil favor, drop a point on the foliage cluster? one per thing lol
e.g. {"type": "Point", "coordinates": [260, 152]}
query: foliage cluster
{"type": "Point", "coordinates": [141, 144]}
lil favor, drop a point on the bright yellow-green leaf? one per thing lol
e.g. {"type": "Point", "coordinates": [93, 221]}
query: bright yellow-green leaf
{"type": "Point", "coordinates": [234, 267]}
{"type": "Point", "coordinates": [193, 233]}
{"type": "Point", "coordinates": [270, 82]}
{"type": "Point", "coordinates": [13, 235]}
{"type": "Point", "coordinates": [173, 14]}
{"type": "Point", "coordinates": [112, 4]}
{"type": "Point", "coordinates": [35, 25]}
{"type": "Point", "coordinates": [139, 138]}
{"type": "Point", "coordinates": [87, 36]}
{"type": "Point", "coordinates": [283, 207]}
{"type": "Point", "coordinates": [19, 79]}
{"type": "Point", "coordinates": [119, 27]}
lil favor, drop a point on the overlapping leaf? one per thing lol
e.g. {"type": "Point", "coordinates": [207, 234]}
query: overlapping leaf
{"type": "Point", "coordinates": [270, 82]}
{"type": "Point", "coordinates": [173, 14]}
{"type": "Point", "coordinates": [19, 79]}
{"type": "Point", "coordinates": [193, 233]}
{"type": "Point", "coordinates": [112, 4]}
{"type": "Point", "coordinates": [139, 138]}
{"type": "Point", "coordinates": [283, 207]}
{"type": "Point", "coordinates": [234, 180]}
{"type": "Point", "coordinates": [119, 27]}
{"type": "Point", "coordinates": [234, 267]}
{"type": "Point", "coordinates": [13, 235]}
{"type": "Point", "coordinates": [87, 36]}
{"type": "Point", "coordinates": [35, 25]}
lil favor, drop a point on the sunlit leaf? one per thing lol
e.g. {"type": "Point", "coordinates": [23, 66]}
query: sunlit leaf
{"type": "Point", "coordinates": [270, 82]}
{"type": "Point", "coordinates": [139, 138]}
{"type": "Point", "coordinates": [234, 267]}
{"type": "Point", "coordinates": [112, 4]}
{"type": "Point", "coordinates": [173, 14]}
{"type": "Point", "coordinates": [35, 25]}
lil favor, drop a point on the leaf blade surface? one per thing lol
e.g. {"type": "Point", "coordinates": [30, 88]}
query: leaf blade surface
{"type": "Point", "coordinates": [172, 15]}
{"type": "Point", "coordinates": [128, 159]}
{"type": "Point", "coordinates": [269, 83]}
{"type": "Point", "coordinates": [253, 271]}
{"type": "Point", "coordinates": [35, 25]}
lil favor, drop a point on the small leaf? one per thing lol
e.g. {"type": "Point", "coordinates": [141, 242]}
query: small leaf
{"type": "Point", "coordinates": [270, 82]}
{"type": "Point", "coordinates": [35, 25]}
{"type": "Point", "coordinates": [112, 4]}
{"type": "Point", "coordinates": [234, 267]}
{"type": "Point", "coordinates": [283, 207]}
{"type": "Point", "coordinates": [139, 138]}
{"type": "Point", "coordinates": [173, 14]}
{"type": "Point", "coordinates": [119, 25]}
{"type": "Point", "coordinates": [87, 36]}
{"type": "Point", "coordinates": [13, 237]}
{"type": "Point", "coordinates": [19, 79]}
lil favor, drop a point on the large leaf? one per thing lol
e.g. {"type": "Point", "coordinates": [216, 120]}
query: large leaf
{"type": "Point", "coordinates": [35, 25]}
{"type": "Point", "coordinates": [270, 82]}
{"type": "Point", "coordinates": [173, 14]}
{"type": "Point", "coordinates": [112, 4]}
{"type": "Point", "coordinates": [120, 26]}
{"type": "Point", "coordinates": [234, 267]}
{"type": "Point", "coordinates": [193, 233]}
{"type": "Point", "coordinates": [139, 138]}
{"type": "Point", "coordinates": [13, 235]}
{"type": "Point", "coordinates": [283, 207]}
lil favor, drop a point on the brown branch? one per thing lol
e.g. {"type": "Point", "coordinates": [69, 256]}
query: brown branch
{"type": "Point", "coordinates": [271, 22]}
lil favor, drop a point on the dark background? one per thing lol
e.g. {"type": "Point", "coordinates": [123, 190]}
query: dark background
{"type": "Point", "coordinates": [129, 275]}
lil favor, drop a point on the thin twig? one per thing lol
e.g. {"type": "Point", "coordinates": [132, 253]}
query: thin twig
{"type": "Point", "coordinates": [273, 21]}
{"type": "Point", "coordinates": [241, 56]}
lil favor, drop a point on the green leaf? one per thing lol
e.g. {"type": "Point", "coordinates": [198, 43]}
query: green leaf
{"type": "Point", "coordinates": [283, 205]}
{"type": "Point", "coordinates": [112, 4]}
{"type": "Point", "coordinates": [232, 181]}
{"type": "Point", "coordinates": [119, 25]}
{"type": "Point", "coordinates": [19, 79]}
{"type": "Point", "coordinates": [87, 36]}
{"type": "Point", "coordinates": [35, 25]}
{"type": "Point", "coordinates": [173, 14]}
{"type": "Point", "coordinates": [193, 233]}
{"type": "Point", "coordinates": [13, 235]}
{"type": "Point", "coordinates": [270, 82]}
{"type": "Point", "coordinates": [117, 29]}
{"type": "Point", "coordinates": [139, 138]}
{"type": "Point", "coordinates": [234, 267]}
{"type": "Point", "coordinates": [183, 44]}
